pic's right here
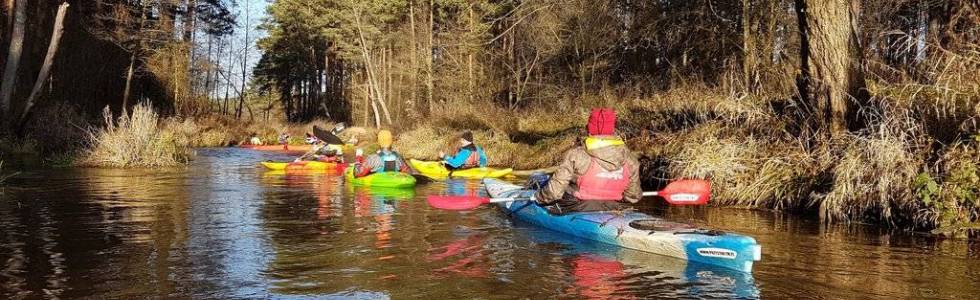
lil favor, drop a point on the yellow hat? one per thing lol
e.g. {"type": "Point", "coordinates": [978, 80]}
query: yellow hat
{"type": "Point", "coordinates": [384, 138]}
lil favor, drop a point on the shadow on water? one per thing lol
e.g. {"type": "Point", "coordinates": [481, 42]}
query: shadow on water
{"type": "Point", "coordinates": [223, 228]}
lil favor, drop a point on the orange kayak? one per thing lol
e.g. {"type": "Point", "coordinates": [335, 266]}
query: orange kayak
{"type": "Point", "coordinates": [303, 165]}
{"type": "Point", "coordinates": [303, 148]}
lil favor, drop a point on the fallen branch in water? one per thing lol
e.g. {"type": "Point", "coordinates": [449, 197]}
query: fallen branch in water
{"type": "Point", "coordinates": [5, 177]}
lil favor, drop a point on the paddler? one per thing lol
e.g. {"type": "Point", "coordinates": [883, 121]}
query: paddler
{"type": "Point", "coordinates": [284, 138]}
{"type": "Point", "coordinates": [596, 176]}
{"type": "Point", "coordinates": [468, 156]}
{"type": "Point", "coordinates": [324, 152]}
{"type": "Point", "coordinates": [385, 160]}
{"type": "Point", "coordinates": [255, 140]}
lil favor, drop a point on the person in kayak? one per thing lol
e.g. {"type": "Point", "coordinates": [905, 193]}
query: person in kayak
{"type": "Point", "coordinates": [284, 138]}
{"type": "Point", "coordinates": [597, 176]}
{"type": "Point", "coordinates": [324, 152]}
{"type": "Point", "coordinates": [255, 140]}
{"type": "Point", "coordinates": [385, 160]}
{"type": "Point", "coordinates": [311, 139]}
{"type": "Point", "coordinates": [469, 155]}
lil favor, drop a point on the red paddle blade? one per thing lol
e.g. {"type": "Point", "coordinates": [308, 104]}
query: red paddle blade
{"type": "Point", "coordinates": [456, 202]}
{"type": "Point", "coordinates": [687, 192]}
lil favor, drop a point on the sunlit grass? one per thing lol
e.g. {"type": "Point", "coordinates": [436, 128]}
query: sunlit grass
{"type": "Point", "coordinates": [135, 140]}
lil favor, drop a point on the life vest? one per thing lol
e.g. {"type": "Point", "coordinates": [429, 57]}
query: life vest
{"type": "Point", "coordinates": [473, 161]}
{"type": "Point", "coordinates": [599, 184]}
{"type": "Point", "coordinates": [389, 161]}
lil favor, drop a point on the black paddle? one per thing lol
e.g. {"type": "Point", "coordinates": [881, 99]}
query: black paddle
{"type": "Point", "coordinates": [327, 136]}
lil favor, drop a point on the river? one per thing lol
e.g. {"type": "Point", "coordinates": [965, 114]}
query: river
{"type": "Point", "coordinates": [224, 228]}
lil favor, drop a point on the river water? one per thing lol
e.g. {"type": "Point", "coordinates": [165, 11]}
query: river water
{"type": "Point", "coordinates": [224, 228]}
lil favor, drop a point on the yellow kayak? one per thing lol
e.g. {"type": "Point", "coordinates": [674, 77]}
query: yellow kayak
{"type": "Point", "coordinates": [435, 169]}
{"type": "Point", "coordinates": [302, 165]}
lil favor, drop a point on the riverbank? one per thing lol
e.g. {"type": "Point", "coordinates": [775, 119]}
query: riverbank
{"type": "Point", "coordinates": [913, 165]}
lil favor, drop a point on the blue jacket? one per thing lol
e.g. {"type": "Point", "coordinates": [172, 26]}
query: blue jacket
{"type": "Point", "coordinates": [460, 158]}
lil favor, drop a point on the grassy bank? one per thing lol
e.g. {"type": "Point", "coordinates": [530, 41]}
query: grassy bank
{"type": "Point", "coordinates": [913, 165]}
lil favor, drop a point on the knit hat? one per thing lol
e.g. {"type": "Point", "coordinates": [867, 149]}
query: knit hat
{"type": "Point", "coordinates": [602, 121]}
{"type": "Point", "coordinates": [384, 138]}
{"type": "Point", "coordinates": [468, 136]}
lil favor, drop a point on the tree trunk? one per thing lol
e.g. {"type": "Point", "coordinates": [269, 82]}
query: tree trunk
{"type": "Point", "coordinates": [750, 61]}
{"type": "Point", "coordinates": [429, 59]}
{"type": "Point", "coordinates": [13, 58]}
{"type": "Point", "coordinates": [8, 23]}
{"type": "Point", "coordinates": [132, 62]}
{"type": "Point", "coordinates": [471, 84]}
{"type": "Point", "coordinates": [244, 91]}
{"type": "Point", "coordinates": [286, 97]}
{"type": "Point", "coordinates": [129, 81]}
{"type": "Point", "coordinates": [415, 54]}
{"type": "Point", "coordinates": [388, 83]}
{"type": "Point", "coordinates": [189, 21]}
{"type": "Point", "coordinates": [231, 64]}
{"type": "Point", "coordinates": [921, 30]}
{"type": "Point", "coordinates": [373, 81]}
{"type": "Point", "coordinates": [832, 81]}
{"type": "Point", "coordinates": [213, 92]}
{"type": "Point", "coordinates": [42, 76]}
{"type": "Point", "coordinates": [9, 7]}
{"type": "Point", "coordinates": [207, 72]}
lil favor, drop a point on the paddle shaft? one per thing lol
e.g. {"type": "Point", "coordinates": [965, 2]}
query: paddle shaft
{"type": "Point", "coordinates": [512, 199]}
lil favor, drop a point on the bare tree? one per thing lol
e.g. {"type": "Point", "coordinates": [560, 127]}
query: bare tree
{"type": "Point", "coordinates": [133, 56]}
{"type": "Point", "coordinates": [246, 47]}
{"type": "Point", "coordinates": [42, 76]}
{"type": "Point", "coordinates": [13, 58]}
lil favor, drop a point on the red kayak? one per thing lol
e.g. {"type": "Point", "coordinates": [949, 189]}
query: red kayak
{"type": "Point", "coordinates": [303, 148]}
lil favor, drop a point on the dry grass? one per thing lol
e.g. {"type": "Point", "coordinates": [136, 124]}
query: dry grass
{"type": "Point", "coordinates": [755, 160]}
{"type": "Point", "coordinates": [135, 140]}
{"type": "Point", "coordinates": [746, 171]}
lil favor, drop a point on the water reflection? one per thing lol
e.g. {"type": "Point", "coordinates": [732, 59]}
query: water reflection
{"type": "Point", "coordinates": [224, 228]}
{"type": "Point", "coordinates": [601, 271]}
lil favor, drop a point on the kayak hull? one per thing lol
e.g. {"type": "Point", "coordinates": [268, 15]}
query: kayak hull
{"type": "Point", "coordinates": [434, 169]}
{"type": "Point", "coordinates": [302, 165]}
{"type": "Point", "coordinates": [636, 231]}
{"type": "Point", "coordinates": [383, 179]}
{"type": "Point", "coordinates": [297, 148]}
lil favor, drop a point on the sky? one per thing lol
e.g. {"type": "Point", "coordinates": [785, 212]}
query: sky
{"type": "Point", "coordinates": [251, 13]}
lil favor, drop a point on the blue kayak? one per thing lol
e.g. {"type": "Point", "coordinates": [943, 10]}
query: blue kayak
{"type": "Point", "coordinates": [636, 231]}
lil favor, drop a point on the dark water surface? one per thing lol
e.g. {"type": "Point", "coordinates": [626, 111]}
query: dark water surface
{"type": "Point", "coordinates": [223, 228]}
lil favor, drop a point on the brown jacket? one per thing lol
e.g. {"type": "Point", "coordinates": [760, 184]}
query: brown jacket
{"type": "Point", "coordinates": [577, 162]}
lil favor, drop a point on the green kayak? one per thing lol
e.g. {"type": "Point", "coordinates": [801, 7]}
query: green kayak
{"type": "Point", "coordinates": [383, 179]}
